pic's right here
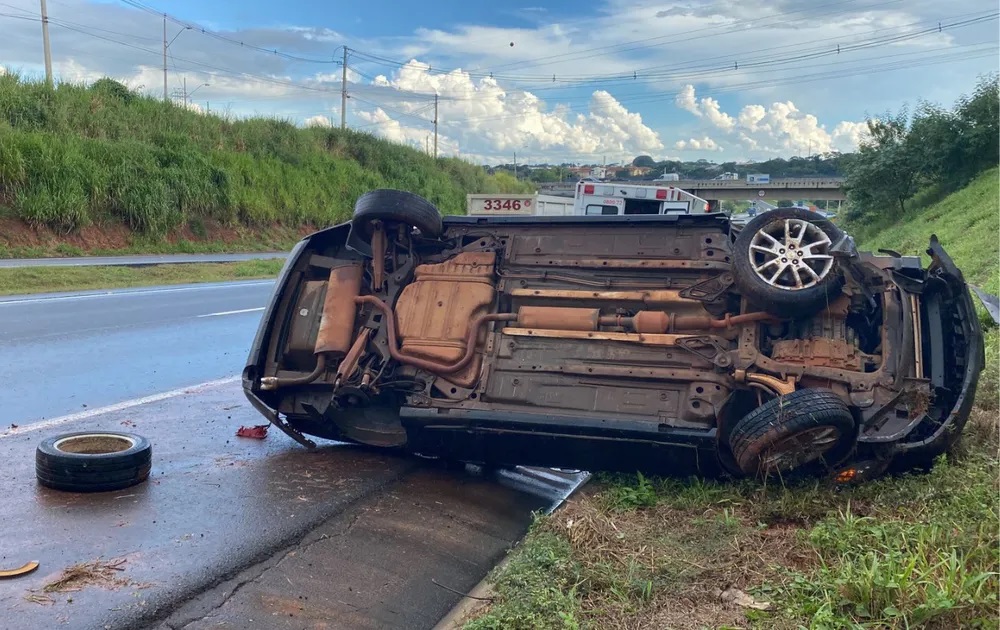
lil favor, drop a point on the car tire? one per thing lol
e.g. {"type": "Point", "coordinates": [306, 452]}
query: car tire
{"type": "Point", "coordinates": [396, 206]}
{"type": "Point", "coordinates": [93, 461]}
{"type": "Point", "coordinates": [770, 279]}
{"type": "Point", "coordinates": [788, 432]}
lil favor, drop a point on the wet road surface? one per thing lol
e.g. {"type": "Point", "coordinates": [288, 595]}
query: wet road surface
{"type": "Point", "coordinates": [228, 532]}
{"type": "Point", "coordinates": [225, 530]}
{"type": "Point", "coordinates": [135, 261]}
{"type": "Point", "coordinates": [69, 352]}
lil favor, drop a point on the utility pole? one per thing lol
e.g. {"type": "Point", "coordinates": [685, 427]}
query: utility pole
{"type": "Point", "coordinates": [343, 94]}
{"type": "Point", "coordinates": [515, 164]}
{"type": "Point", "coordinates": [435, 125]}
{"type": "Point", "coordinates": [45, 43]}
{"type": "Point", "coordinates": [185, 92]}
{"type": "Point", "coordinates": [165, 97]}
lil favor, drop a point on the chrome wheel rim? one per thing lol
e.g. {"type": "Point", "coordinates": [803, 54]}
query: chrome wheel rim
{"type": "Point", "coordinates": [791, 254]}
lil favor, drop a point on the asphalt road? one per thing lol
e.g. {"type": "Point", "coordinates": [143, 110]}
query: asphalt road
{"type": "Point", "coordinates": [135, 261]}
{"type": "Point", "coordinates": [228, 532]}
{"type": "Point", "coordinates": [68, 352]}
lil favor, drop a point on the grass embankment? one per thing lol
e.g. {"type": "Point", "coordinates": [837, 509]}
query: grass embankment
{"type": "Point", "coordinates": [914, 551]}
{"type": "Point", "coordinates": [23, 280]}
{"type": "Point", "coordinates": [79, 156]}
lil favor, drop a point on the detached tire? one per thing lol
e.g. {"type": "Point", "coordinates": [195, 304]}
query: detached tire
{"type": "Point", "coordinates": [788, 432]}
{"type": "Point", "coordinates": [782, 262]}
{"type": "Point", "coordinates": [396, 206]}
{"type": "Point", "coordinates": [93, 461]}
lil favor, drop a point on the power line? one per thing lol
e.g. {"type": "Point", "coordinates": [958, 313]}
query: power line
{"type": "Point", "coordinates": [271, 51]}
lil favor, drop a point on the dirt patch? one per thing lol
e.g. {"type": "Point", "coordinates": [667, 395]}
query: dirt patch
{"type": "Point", "coordinates": [667, 567]}
{"type": "Point", "coordinates": [17, 235]}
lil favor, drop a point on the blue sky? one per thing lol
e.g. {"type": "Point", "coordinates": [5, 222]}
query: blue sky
{"type": "Point", "coordinates": [714, 79]}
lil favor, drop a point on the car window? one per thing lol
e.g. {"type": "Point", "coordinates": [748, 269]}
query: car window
{"type": "Point", "coordinates": [596, 209]}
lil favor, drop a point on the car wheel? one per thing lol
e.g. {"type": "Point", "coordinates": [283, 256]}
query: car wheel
{"type": "Point", "coordinates": [785, 433]}
{"type": "Point", "coordinates": [396, 206]}
{"type": "Point", "coordinates": [783, 263]}
{"type": "Point", "coordinates": [93, 461]}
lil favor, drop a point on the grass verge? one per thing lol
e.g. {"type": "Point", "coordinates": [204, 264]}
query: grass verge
{"type": "Point", "coordinates": [25, 280]}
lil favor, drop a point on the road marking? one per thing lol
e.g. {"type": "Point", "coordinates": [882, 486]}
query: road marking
{"type": "Point", "coordinates": [56, 298]}
{"type": "Point", "coordinates": [128, 404]}
{"type": "Point", "coordinates": [242, 310]}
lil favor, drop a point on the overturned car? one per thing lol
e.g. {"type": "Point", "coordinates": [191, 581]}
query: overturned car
{"type": "Point", "coordinates": [671, 344]}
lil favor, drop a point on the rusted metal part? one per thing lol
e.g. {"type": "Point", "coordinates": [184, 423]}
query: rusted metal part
{"type": "Point", "coordinates": [821, 352]}
{"type": "Point", "coordinates": [645, 339]}
{"type": "Point", "coordinates": [605, 263]}
{"type": "Point", "coordinates": [433, 366]}
{"type": "Point", "coordinates": [379, 244]}
{"type": "Point", "coordinates": [772, 383]}
{"type": "Point", "coordinates": [464, 267]}
{"type": "Point", "coordinates": [662, 296]}
{"type": "Point", "coordinates": [336, 328]}
{"type": "Point", "coordinates": [269, 383]}
{"type": "Point", "coordinates": [659, 322]}
{"type": "Point", "coordinates": [651, 322]}
{"type": "Point", "coordinates": [636, 372]}
{"type": "Point", "coordinates": [434, 312]}
{"type": "Point", "coordinates": [350, 361]}
{"type": "Point", "coordinates": [708, 290]}
{"type": "Point", "coordinates": [707, 347]}
{"type": "Point", "coordinates": [25, 569]}
{"type": "Point", "coordinates": [558, 318]}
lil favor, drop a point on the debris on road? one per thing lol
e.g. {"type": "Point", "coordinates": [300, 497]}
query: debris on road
{"type": "Point", "coordinates": [27, 568]}
{"type": "Point", "coordinates": [258, 432]}
{"type": "Point", "coordinates": [88, 461]}
{"type": "Point", "coordinates": [95, 573]}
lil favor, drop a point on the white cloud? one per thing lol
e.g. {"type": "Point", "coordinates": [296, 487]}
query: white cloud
{"type": "Point", "coordinates": [484, 118]}
{"type": "Point", "coordinates": [317, 121]}
{"type": "Point", "coordinates": [779, 129]}
{"type": "Point", "coordinates": [695, 144]}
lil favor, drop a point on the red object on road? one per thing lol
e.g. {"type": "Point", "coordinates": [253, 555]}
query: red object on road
{"type": "Point", "coordinates": [258, 432]}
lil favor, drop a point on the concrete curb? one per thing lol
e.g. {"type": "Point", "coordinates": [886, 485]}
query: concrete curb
{"type": "Point", "coordinates": [476, 599]}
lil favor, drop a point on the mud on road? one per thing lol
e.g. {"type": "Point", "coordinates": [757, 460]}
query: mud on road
{"type": "Point", "coordinates": [231, 532]}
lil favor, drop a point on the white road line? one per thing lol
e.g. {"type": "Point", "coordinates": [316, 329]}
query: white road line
{"type": "Point", "coordinates": [242, 310]}
{"type": "Point", "coordinates": [56, 298]}
{"type": "Point", "coordinates": [128, 404]}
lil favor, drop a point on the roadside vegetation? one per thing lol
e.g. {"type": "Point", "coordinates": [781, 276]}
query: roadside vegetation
{"type": "Point", "coordinates": [102, 155]}
{"type": "Point", "coordinates": [920, 550]}
{"type": "Point", "coordinates": [23, 280]}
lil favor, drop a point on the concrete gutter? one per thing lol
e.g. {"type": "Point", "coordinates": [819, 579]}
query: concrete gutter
{"type": "Point", "coordinates": [482, 594]}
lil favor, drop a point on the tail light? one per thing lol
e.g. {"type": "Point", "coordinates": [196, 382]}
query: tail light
{"type": "Point", "coordinates": [588, 189]}
{"type": "Point", "coordinates": [661, 193]}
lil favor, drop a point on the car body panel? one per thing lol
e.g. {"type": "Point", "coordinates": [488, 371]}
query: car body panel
{"type": "Point", "coordinates": [602, 397]}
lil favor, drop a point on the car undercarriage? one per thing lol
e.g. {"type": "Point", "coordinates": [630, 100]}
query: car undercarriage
{"type": "Point", "coordinates": [671, 344]}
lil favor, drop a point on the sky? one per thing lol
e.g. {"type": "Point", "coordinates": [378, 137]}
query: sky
{"type": "Point", "coordinates": [553, 81]}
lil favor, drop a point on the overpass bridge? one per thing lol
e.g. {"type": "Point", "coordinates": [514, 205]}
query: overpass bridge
{"type": "Point", "coordinates": [787, 188]}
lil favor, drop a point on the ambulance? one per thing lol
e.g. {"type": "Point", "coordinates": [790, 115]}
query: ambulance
{"type": "Point", "coordinates": [617, 198]}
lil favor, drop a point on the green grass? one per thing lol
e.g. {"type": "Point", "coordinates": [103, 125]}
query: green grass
{"type": "Point", "coordinates": [80, 155]}
{"type": "Point", "coordinates": [24, 280]}
{"type": "Point", "coordinates": [966, 223]}
{"type": "Point", "coordinates": [920, 550]}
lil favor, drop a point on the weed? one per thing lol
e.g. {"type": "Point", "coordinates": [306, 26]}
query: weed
{"type": "Point", "coordinates": [72, 156]}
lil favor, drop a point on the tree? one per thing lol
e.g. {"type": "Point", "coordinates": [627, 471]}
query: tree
{"type": "Point", "coordinates": [644, 160]}
{"type": "Point", "coordinates": [884, 174]}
